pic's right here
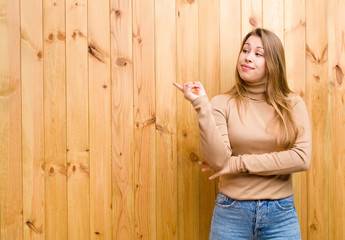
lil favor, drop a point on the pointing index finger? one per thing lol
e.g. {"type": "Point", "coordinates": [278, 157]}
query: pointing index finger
{"type": "Point", "coordinates": [178, 86]}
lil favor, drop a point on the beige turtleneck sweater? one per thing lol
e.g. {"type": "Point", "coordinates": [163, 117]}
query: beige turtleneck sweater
{"type": "Point", "coordinates": [258, 171]}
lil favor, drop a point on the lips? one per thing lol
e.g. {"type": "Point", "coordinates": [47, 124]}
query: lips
{"type": "Point", "coordinates": [246, 67]}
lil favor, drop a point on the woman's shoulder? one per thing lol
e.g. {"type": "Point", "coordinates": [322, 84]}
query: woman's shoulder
{"type": "Point", "coordinates": [295, 98]}
{"type": "Point", "coordinates": [221, 100]}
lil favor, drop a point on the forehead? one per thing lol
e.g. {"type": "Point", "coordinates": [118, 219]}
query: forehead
{"type": "Point", "coordinates": [254, 42]}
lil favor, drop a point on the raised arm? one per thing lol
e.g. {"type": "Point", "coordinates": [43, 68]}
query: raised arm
{"type": "Point", "coordinates": [214, 138]}
{"type": "Point", "coordinates": [215, 144]}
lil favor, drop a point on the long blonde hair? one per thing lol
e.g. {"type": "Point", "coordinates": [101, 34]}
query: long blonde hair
{"type": "Point", "coordinates": [277, 89]}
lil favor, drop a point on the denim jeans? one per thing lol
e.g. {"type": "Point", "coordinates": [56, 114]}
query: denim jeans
{"type": "Point", "coordinates": [259, 219]}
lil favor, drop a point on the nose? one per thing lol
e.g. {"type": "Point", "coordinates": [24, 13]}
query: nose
{"type": "Point", "coordinates": [249, 57]}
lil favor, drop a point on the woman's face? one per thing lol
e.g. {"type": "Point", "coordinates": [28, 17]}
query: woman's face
{"type": "Point", "coordinates": [251, 61]}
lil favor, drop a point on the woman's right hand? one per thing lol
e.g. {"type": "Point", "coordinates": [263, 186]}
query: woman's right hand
{"type": "Point", "coordinates": [191, 90]}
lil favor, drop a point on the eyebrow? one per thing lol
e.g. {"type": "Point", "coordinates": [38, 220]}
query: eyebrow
{"type": "Point", "coordinates": [256, 47]}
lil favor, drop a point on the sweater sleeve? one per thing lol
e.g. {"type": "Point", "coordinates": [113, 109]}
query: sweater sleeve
{"type": "Point", "coordinates": [295, 159]}
{"type": "Point", "coordinates": [214, 139]}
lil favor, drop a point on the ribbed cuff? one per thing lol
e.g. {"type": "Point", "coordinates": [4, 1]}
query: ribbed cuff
{"type": "Point", "coordinates": [199, 101]}
{"type": "Point", "coordinates": [236, 165]}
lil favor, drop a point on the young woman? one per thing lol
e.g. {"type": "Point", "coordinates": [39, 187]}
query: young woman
{"type": "Point", "coordinates": [255, 136]}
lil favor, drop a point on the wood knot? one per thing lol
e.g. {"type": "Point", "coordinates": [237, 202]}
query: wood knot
{"type": "Point", "coordinates": [51, 170]}
{"type": "Point", "coordinates": [118, 13]}
{"type": "Point", "coordinates": [162, 129]}
{"type": "Point", "coordinates": [33, 227]}
{"type": "Point", "coordinates": [105, 86]}
{"type": "Point", "coordinates": [121, 62]}
{"type": "Point", "coordinates": [97, 233]}
{"type": "Point", "coordinates": [313, 227]}
{"type": "Point", "coordinates": [50, 37]}
{"type": "Point", "coordinates": [339, 74]}
{"type": "Point", "coordinates": [61, 36]}
{"type": "Point", "coordinates": [74, 168]}
{"type": "Point", "coordinates": [39, 55]}
{"type": "Point", "coordinates": [316, 78]}
{"type": "Point", "coordinates": [253, 22]}
{"type": "Point", "coordinates": [84, 168]}
{"type": "Point", "coordinates": [193, 157]}
{"type": "Point", "coordinates": [140, 40]}
{"type": "Point", "coordinates": [184, 134]}
{"type": "Point", "coordinates": [96, 53]}
{"type": "Point", "coordinates": [77, 33]}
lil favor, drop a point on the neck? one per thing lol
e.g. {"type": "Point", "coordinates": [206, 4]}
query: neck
{"type": "Point", "coordinates": [256, 91]}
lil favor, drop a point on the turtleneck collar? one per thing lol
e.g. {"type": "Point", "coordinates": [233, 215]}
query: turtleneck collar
{"type": "Point", "coordinates": [256, 91]}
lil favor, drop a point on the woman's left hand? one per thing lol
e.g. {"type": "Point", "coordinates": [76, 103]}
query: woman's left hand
{"type": "Point", "coordinates": [207, 168]}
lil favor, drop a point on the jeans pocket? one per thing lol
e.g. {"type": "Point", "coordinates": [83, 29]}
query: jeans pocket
{"type": "Point", "coordinates": [224, 201]}
{"type": "Point", "coordinates": [285, 203]}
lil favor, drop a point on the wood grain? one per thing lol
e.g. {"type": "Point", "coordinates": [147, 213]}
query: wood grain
{"type": "Point", "coordinates": [11, 199]}
{"type": "Point", "coordinates": [55, 119]}
{"type": "Point", "coordinates": [251, 15]}
{"type": "Point", "coordinates": [166, 155]}
{"type": "Point", "coordinates": [100, 119]}
{"type": "Point", "coordinates": [273, 17]}
{"type": "Point", "coordinates": [32, 120]}
{"type": "Point", "coordinates": [230, 41]}
{"type": "Point", "coordinates": [145, 119]}
{"type": "Point", "coordinates": [295, 70]}
{"type": "Point", "coordinates": [317, 102]}
{"type": "Point", "coordinates": [78, 149]}
{"type": "Point", "coordinates": [336, 118]}
{"type": "Point", "coordinates": [188, 152]}
{"type": "Point", "coordinates": [209, 74]}
{"type": "Point", "coordinates": [122, 120]}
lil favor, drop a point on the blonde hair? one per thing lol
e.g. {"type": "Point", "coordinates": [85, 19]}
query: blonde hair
{"type": "Point", "coordinates": [277, 89]}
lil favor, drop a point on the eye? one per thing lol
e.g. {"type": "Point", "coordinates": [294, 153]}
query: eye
{"type": "Point", "coordinates": [259, 54]}
{"type": "Point", "coordinates": [245, 51]}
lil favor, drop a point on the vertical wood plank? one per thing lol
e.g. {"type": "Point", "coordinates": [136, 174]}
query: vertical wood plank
{"type": "Point", "coordinates": [273, 17]}
{"type": "Point", "coordinates": [317, 101]}
{"type": "Point", "coordinates": [251, 11]}
{"type": "Point", "coordinates": [230, 41]}
{"type": "Point", "coordinates": [11, 201]}
{"type": "Point", "coordinates": [165, 62]}
{"type": "Point", "coordinates": [55, 119]}
{"type": "Point", "coordinates": [145, 118]}
{"type": "Point", "coordinates": [100, 119]}
{"type": "Point", "coordinates": [77, 120]}
{"type": "Point", "coordinates": [32, 119]}
{"type": "Point", "coordinates": [122, 120]}
{"type": "Point", "coordinates": [294, 12]}
{"type": "Point", "coordinates": [209, 74]}
{"type": "Point", "coordinates": [336, 66]}
{"type": "Point", "coordinates": [187, 44]}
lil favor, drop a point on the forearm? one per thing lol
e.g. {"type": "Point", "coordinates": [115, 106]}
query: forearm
{"type": "Point", "coordinates": [276, 163]}
{"type": "Point", "coordinates": [214, 141]}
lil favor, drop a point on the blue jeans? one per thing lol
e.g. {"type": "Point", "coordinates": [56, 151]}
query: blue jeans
{"type": "Point", "coordinates": [259, 219]}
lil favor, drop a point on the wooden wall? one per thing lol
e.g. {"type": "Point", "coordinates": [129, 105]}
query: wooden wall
{"type": "Point", "coordinates": [95, 142]}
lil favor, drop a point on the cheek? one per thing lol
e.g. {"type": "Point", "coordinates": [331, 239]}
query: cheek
{"type": "Point", "coordinates": [263, 67]}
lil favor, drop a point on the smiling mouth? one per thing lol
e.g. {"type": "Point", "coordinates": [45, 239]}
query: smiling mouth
{"type": "Point", "coordinates": [246, 67]}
